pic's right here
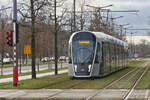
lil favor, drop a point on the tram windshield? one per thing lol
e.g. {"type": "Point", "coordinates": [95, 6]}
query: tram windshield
{"type": "Point", "coordinates": [83, 47]}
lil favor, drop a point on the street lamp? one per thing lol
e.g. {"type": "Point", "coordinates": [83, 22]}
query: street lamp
{"type": "Point", "coordinates": [112, 20]}
{"type": "Point", "coordinates": [132, 43]}
{"type": "Point", "coordinates": [74, 15]}
{"type": "Point", "coordinates": [99, 7]}
{"type": "Point", "coordinates": [5, 8]}
{"type": "Point", "coordinates": [127, 28]}
{"type": "Point", "coordinates": [121, 29]}
{"type": "Point", "coordinates": [116, 17]}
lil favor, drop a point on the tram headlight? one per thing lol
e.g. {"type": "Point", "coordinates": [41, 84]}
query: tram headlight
{"type": "Point", "coordinates": [89, 68]}
{"type": "Point", "coordinates": [75, 68]}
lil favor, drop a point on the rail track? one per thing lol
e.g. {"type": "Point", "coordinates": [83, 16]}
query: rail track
{"type": "Point", "coordinates": [134, 71]}
{"type": "Point", "coordinates": [135, 84]}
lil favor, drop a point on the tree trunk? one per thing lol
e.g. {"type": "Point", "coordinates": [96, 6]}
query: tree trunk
{"type": "Point", "coordinates": [56, 56]}
{"type": "Point", "coordinates": [33, 39]}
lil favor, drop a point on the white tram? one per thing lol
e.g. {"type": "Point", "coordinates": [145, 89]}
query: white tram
{"type": "Point", "coordinates": [96, 54]}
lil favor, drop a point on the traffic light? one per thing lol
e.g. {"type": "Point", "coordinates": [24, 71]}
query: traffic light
{"type": "Point", "coordinates": [10, 38]}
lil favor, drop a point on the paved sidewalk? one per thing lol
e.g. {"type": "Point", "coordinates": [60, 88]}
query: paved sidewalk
{"type": "Point", "coordinates": [72, 93]}
{"type": "Point", "coordinates": [3, 80]}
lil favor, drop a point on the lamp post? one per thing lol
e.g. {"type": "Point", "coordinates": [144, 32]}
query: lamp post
{"type": "Point", "coordinates": [131, 44]}
{"type": "Point", "coordinates": [126, 29]}
{"type": "Point", "coordinates": [5, 8]}
{"type": "Point", "coordinates": [121, 30]}
{"type": "Point", "coordinates": [99, 8]}
{"type": "Point", "coordinates": [74, 15]}
{"type": "Point", "coordinates": [112, 20]}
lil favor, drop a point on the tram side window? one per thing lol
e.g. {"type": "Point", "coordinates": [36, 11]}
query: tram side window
{"type": "Point", "coordinates": [104, 53]}
{"type": "Point", "coordinates": [98, 54]}
{"type": "Point", "coordinates": [69, 60]}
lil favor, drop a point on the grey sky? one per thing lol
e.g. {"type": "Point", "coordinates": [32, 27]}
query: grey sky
{"type": "Point", "coordinates": [141, 20]}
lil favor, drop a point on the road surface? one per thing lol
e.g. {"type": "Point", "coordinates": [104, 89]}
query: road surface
{"type": "Point", "coordinates": [9, 70]}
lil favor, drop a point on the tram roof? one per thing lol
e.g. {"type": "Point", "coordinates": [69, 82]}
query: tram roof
{"type": "Point", "coordinates": [103, 37]}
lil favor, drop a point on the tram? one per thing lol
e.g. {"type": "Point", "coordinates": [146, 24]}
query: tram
{"type": "Point", "coordinates": [96, 54]}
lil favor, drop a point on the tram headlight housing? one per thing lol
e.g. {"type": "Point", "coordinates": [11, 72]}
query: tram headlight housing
{"type": "Point", "coordinates": [75, 68]}
{"type": "Point", "coordinates": [89, 68]}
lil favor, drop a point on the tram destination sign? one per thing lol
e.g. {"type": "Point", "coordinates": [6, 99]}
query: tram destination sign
{"type": "Point", "coordinates": [84, 42]}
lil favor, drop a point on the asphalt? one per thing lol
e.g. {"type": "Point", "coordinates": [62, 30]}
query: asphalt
{"type": "Point", "coordinates": [73, 94]}
{"type": "Point", "coordinates": [9, 70]}
{"type": "Point", "coordinates": [10, 79]}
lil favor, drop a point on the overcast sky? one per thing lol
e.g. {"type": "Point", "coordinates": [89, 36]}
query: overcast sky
{"type": "Point", "coordinates": [141, 20]}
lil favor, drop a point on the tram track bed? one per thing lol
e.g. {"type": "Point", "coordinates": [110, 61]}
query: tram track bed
{"type": "Point", "coordinates": [145, 82]}
{"type": "Point", "coordinates": [62, 81]}
{"type": "Point", "coordinates": [131, 83]}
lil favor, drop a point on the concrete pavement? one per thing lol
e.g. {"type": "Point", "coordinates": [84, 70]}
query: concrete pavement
{"type": "Point", "coordinates": [73, 93]}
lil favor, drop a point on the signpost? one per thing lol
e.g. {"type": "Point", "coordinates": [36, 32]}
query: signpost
{"type": "Point", "coordinates": [27, 49]}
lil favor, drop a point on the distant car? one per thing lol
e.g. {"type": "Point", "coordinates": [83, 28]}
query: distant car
{"type": "Point", "coordinates": [7, 60]}
{"type": "Point", "coordinates": [52, 58]}
{"type": "Point", "coordinates": [45, 59]}
{"type": "Point", "coordinates": [62, 59]}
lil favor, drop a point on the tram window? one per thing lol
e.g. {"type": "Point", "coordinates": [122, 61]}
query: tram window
{"type": "Point", "coordinates": [98, 54]}
{"type": "Point", "coordinates": [103, 53]}
{"type": "Point", "coordinates": [69, 60]}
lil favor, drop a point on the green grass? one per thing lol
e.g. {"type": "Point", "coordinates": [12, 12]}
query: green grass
{"type": "Point", "coordinates": [136, 99]}
{"type": "Point", "coordinates": [135, 63]}
{"type": "Point", "coordinates": [61, 99]}
{"type": "Point", "coordinates": [37, 99]}
{"type": "Point", "coordinates": [63, 81]}
{"type": "Point", "coordinates": [107, 99]}
{"type": "Point", "coordinates": [128, 81]}
{"type": "Point", "coordinates": [145, 82]}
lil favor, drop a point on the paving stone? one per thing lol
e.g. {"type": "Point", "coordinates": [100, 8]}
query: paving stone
{"type": "Point", "coordinates": [111, 93]}
{"type": "Point", "coordinates": [75, 93]}
{"type": "Point", "coordinates": [140, 94]}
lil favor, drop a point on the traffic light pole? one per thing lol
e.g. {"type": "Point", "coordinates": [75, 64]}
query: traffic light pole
{"type": "Point", "coordinates": [15, 68]}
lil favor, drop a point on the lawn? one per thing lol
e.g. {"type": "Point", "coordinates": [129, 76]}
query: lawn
{"type": "Point", "coordinates": [145, 82]}
{"type": "Point", "coordinates": [63, 81]}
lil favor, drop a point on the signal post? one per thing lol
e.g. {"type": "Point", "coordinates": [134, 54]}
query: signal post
{"type": "Point", "coordinates": [15, 55]}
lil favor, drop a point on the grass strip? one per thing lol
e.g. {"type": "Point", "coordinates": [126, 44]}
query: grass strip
{"type": "Point", "coordinates": [145, 82]}
{"type": "Point", "coordinates": [63, 81]}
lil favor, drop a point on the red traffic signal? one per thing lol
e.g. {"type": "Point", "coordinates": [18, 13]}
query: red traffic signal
{"type": "Point", "coordinates": [10, 38]}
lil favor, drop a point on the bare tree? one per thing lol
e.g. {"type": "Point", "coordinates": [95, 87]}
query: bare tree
{"type": "Point", "coordinates": [32, 11]}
